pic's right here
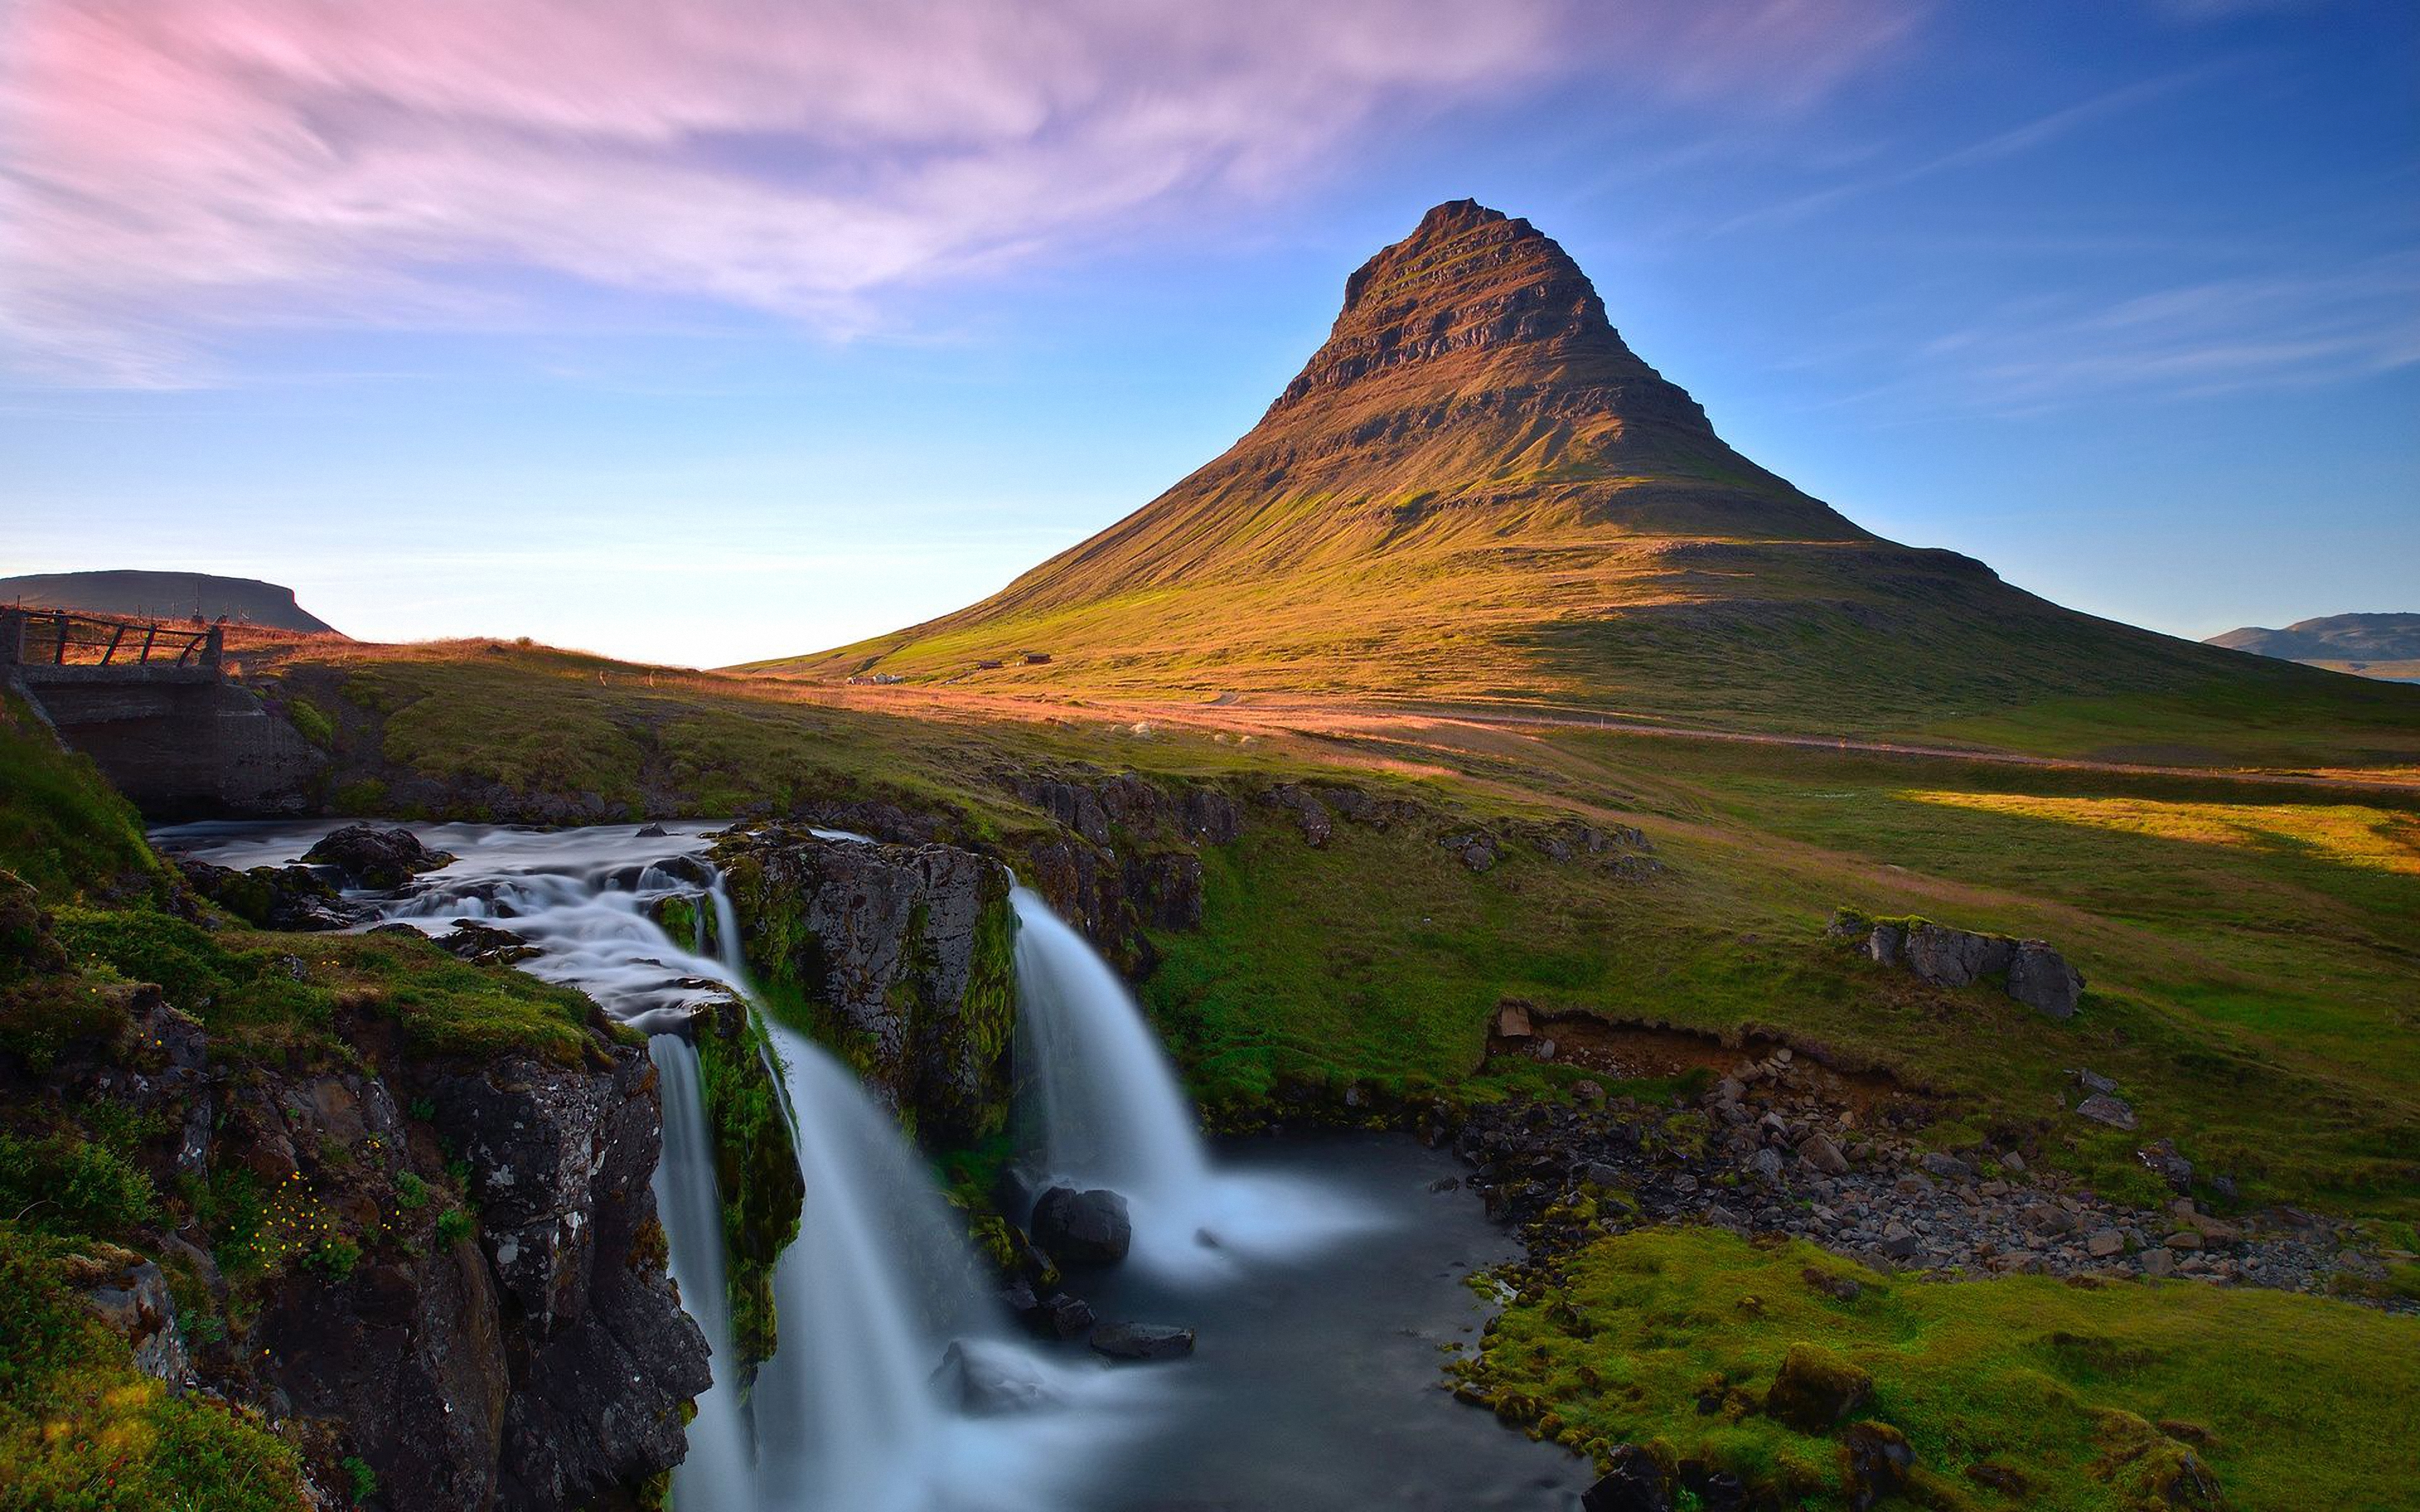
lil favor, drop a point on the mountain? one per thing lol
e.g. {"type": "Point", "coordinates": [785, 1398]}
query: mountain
{"type": "Point", "coordinates": [1475, 490]}
{"type": "Point", "coordinates": [165, 595]}
{"type": "Point", "coordinates": [2374, 645]}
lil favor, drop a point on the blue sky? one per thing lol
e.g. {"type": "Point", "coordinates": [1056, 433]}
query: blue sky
{"type": "Point", "coordinates": [789, 325]}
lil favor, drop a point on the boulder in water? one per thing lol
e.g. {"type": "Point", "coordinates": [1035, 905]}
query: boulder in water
{"type": "Point", "coordinates": [369, 856]}
{"type": "Point", "coordinates": [983, 1382]}
{"type": "Point", "coordinates": [1142, 1341]}
{"type": "Point", "coordinates": [486, 945]}
{"type": "Point", "coordinates": [1065, 1317]}
{"type": "Point", "coordinates": [1082, 1227]}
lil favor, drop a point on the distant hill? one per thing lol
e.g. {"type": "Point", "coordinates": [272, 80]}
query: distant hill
{"type": "Point", "coordinates": [1476, 491]}
{"type": "Point", "coordinates": [2373, 645]}
{"type": "Point", "coordinates": [165, 595]}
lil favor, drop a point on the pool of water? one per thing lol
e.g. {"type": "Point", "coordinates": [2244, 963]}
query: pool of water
{"type": "Point", "coordinates": [1317, 1380]}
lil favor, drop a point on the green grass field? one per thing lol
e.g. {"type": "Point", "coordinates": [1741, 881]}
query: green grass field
{"type": "Point", "coordinates": [2017, 1391]}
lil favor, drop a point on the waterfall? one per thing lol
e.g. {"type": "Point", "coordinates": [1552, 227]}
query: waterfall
{"type": "Point", "coordinates": [717, 1471]}
{"type": "Point", "coordinates": [1106, 1100]}
{"type": "Point", "coordinates": [853, 1412]}
{"type": "Point", "coordinates": [1106, 1109]}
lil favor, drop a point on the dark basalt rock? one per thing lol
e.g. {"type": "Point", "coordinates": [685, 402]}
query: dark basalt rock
{"type": "Point", "coordinates": [381, 859]}
{"type": "Point", "coordinates": [1082, 1227]}
{"type": "Point", "coordinates": [2028, 970]}
{"type": "Point", "coordinates": [1875, 1461]}
{"type": "Point", "coordinates": [2040, 978]}
{"type": "Point", "coordinates": [272, 897]}
{"type": "Point", "coordinates": [485, 943]}
{"type": "Point", "coordinates": [1142, 1341]}
{"type": "Point", "coordinates": [1636, 1483]}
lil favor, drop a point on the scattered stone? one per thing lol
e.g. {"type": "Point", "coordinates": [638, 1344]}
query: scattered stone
{"type": "Point", "coordinates": [2104, 1242]}
{"type": "Point", "coordinates": [486, 945]}
{"type": "Point", "coordinates": [656, 832]}
{"type": "Point", "coordinates": [1875, 1461]}
{"type": "Point", "coordinates": [1838, 1287]}
{"type": "Point", "coordinates": [1142, 1341]}
{"type": "Point", "coordinates": [1065, 1317]}
{"type": "Point", "coordinates": [1082, 1227]}
{"type": "Point", "coordinates": [2040, 977]}
{"type": "Point", "coordinates": [2162, 1160]}
{"type": "Point", "coordinates": [2092, 1081]}
{"type": "Point", "coordinates": [2102, 1108]}
{"type": "Point", "coordinates": [1824, 1155]}
{"type": "Point", "coordinates": [1512, 1020]}
{"type": "Point", "coordinates": [136, 1304]}
{"type": "Point", "coordinates": [1948, 1167]}
{"type": "Point", "coordinates": [1634, 1482]}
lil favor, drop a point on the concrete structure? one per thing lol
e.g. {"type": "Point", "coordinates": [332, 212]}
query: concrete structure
{"type": "Point", "coordinates": [151, 704]}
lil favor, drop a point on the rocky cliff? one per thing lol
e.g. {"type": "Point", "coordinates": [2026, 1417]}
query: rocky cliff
{"type": "Point", "coordinates": [392, 1210]}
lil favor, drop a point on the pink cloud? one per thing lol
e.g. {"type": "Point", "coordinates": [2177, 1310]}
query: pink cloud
{"type": "Point", "coordinates": [169, 165]}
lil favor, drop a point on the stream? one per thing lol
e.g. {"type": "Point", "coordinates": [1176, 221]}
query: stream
{"type": "Point", "coordinates": [1324, 1274]}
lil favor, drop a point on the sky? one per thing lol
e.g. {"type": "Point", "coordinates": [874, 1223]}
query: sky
{"type": "Point", "coordinates": [700, 331]}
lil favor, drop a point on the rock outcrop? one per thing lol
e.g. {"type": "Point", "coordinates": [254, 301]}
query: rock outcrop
{"type": "Point", "coordinates": [382, 857]}
{"type": "Point", "coordinates": [2030, 971]}
{"type": "Point", "coordinates": [445, 1269]}
{"type": "Point", "coordinates": [903, 956]}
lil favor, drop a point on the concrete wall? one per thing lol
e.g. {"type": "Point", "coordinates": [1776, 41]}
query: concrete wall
{"type": "Point", "coordinates": [183, 747]}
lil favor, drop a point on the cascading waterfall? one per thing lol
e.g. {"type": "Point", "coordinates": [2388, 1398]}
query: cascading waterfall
{"type": "Point", "coordinates": [1106, 1101]}
{"type": "Point", "coordinates": [1106, 1109]}
{"type": "Point", "coordinates": [850, 1414]}
{"type": "Point", "coordinates": [717, 1471]}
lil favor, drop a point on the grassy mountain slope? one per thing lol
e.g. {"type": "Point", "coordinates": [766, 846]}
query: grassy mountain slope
{"type": "Point", "coordinates": [2251, 947]}
{"type": "Point", "coordinates": [1475, 490]}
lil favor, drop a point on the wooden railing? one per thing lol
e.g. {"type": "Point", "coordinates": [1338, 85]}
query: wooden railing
{"type": "Point", "coordinates": [34, 638]}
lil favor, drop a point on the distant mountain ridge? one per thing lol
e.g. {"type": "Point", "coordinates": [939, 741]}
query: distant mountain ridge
{"type": "Point", "coordinates": [2333, 638]}
{"type": "Point", "coordinates": [1476, 491]}
{"type": "Point", "coordinates": [165, 595]}
{"type": "Point", "coordinates": [2376, 645]}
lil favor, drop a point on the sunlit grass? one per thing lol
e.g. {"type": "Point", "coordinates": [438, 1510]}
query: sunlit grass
{"type": "Point", "coordinates": [2348, 834]}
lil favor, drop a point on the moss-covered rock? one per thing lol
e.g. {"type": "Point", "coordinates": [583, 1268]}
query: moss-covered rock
{"type": "Point", "coordinates": [899, 957]}
{"type": "Point", "coordinates": [1816, 1390]}
{"type": "Point", "coordinates": [756, 1167]}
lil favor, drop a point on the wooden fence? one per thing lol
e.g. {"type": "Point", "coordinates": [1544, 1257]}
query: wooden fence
{"type": "Point", "coordinates": [33, 638]}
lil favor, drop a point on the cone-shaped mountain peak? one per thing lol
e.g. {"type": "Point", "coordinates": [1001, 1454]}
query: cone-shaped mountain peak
{"type": "Point", "coordinates": [1476, 491]}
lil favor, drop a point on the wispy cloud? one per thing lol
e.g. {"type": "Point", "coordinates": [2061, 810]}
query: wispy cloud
{"type": "Point", "coordinates": [2225, 335]}
{"type": "Point", "coordinates": [169, 166]}
{"type": "Point", "coordinates": [2009, 143]}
